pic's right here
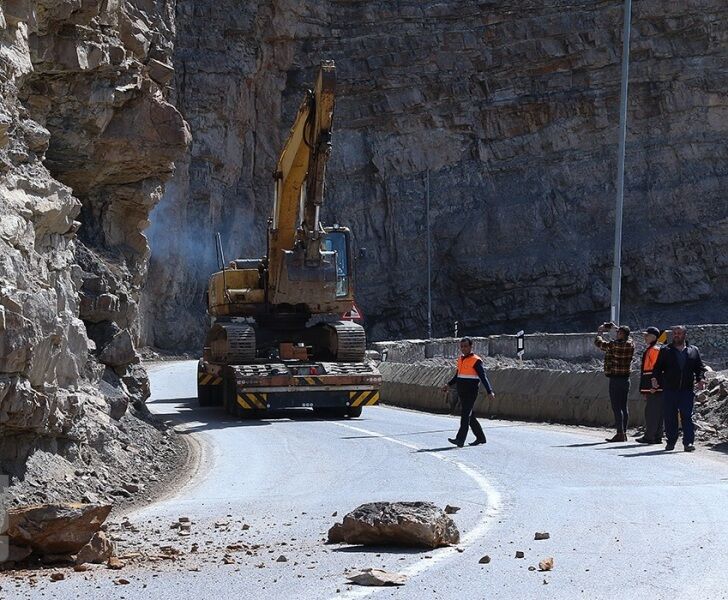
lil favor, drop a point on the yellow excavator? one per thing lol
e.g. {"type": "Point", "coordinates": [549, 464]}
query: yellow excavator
{"type": "Point", "coordinates": [277, 338]}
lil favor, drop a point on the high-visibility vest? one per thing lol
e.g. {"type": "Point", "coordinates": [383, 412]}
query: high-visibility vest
{"type": "Point", "coordinates": [649, 358]}
{"type": "Point", "coordinates": [466, 366]}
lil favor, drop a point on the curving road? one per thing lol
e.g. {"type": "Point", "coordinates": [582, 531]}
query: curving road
{"type": "Point", "coordinates": [625, 521]}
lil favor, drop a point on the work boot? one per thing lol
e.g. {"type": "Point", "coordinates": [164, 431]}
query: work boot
{"type": "Point", "coordinates": [643, 440]}
{"type": "Point", "coordinates": [477, 442]}
{"type": "Point", "coordinates": [689, 448]}
{"type": "Point", "coordinates": [618, 437]}
{"type": "Point", "coordinates": [455, 442]}
{"type": "Point", "coordinates": [670, 446]}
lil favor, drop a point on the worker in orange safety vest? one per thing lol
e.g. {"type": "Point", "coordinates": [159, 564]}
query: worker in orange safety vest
{"type": "Point", "coordinates": [470, 373]}
{"type": "Point", "coordinates": [653, 396]}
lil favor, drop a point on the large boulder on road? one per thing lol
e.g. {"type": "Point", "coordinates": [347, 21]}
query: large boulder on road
{"type": "Point", "coordinates": [411, 524]}
{"type": "Point", "coordinates": [55, 528]}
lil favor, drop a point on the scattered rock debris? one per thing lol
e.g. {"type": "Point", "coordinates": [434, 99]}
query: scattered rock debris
{"type": "Point", "coordinates": [547, 564]}
{"type": "Point", "coordinates": [520, 554]}
{"type": "Point", "coordinates": [542, 535]}
{"type": "Point", "coordinates": [376, 577]}
{"type": "Point", "coordinates": [484, 560]}
{"type": "Point", "coordinates": [114, 563]}
{"type": "Point", "coordinates": [98, 550]}
{"type": "Point", "coordinates": [451, 510]}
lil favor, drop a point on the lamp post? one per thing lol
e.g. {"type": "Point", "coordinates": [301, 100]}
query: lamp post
{"type": "Point", "coordinates": [617, 266]}
{"type": "Point", "coordinates": [429, 257]}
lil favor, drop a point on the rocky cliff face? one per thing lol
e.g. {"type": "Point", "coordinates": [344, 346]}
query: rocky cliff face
{"type": "Point", "coordinates": [512, 106]}
{"type": "Point", "coordinates": [87, 139]}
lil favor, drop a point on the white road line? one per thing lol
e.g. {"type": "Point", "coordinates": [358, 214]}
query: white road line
{"type": "Point", "coordinates": [492, 508]}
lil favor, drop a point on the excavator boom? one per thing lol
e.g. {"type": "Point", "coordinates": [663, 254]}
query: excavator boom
{"type": "Point", "coordinates": [300, 173]}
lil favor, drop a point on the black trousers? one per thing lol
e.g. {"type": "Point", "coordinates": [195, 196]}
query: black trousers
{"type": "Point", "coordinates": [679, 402]}
{"type": "Point", "coordinates": [467, 419]}
{"type": "Point", "coordinates": [653, 417]}
{"type": "Point", "coordinates": [618, 392]}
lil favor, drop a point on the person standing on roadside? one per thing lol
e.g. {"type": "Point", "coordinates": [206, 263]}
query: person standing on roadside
{"type": "Point", "coordinates": [652, 396]}
{"type": "Point", "coordinates": [469, 375]}
{"type": "Point", "coordinates": [617, 366]}
{"type": "Point", "coordinates": [679, 371]}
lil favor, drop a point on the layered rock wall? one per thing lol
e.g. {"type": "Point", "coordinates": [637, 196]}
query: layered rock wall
{"type": "Point", "coordinates": [511, 106]}
{"type": "Point", "coordinates": [87, 139]}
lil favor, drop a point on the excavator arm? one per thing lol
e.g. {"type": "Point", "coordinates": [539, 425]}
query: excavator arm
{"type": "Point", "coordinates": [299, 177]}
{"type": "Point", "coordinates": [308, 268]}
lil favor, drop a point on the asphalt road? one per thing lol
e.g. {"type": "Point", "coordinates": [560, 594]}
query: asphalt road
{"type": "Point", "coordinates": [625, 521]}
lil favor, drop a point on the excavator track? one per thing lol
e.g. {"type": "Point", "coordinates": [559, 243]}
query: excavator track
{"type": "Point", "coordinates": [231, 343]}
{"type": "Point", "coordinates": [351, 341]}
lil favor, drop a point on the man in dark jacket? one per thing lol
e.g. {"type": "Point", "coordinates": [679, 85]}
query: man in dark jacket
{"type": "Point", "coordinates": [679, 370]}
{"type": "Point", "coordinates": [617, 366]}
{"type": "Point", "coordinates": [468, 377]}
{"type": "Point", "coordinates": [653, 397]}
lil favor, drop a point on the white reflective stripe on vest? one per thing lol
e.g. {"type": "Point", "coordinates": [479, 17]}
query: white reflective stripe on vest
{"type": "Point", "coordinates": [468, 377]}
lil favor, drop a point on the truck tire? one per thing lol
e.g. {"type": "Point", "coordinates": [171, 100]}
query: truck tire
{"type": "Point", "coordinates": [203, 395]}
{"type": "Point", "coordinates": [354, 412]}
{"type": "Point", "coordinates": [207, 395]}
{"type": "Point", "coordinates": [228, 397]}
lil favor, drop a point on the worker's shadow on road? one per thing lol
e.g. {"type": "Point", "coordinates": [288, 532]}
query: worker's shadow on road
{"type": "Point", "coordinates": [584, 445]}
{"type": "Point", "coordinates": [660, 452]}
{"type": "Point", "coordinates": [440, 449]}
{"type": "Point", "coordinates": [722, 447]}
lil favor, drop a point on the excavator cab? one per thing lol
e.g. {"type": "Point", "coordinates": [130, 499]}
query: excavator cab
{"type": "Point", "coordinates": [337, 240]}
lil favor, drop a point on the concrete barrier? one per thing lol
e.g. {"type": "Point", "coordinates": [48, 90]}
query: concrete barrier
{"type": "Point", "coordinates": [525, 394]}
{"type": "Point", "coordinates": [531, 394]}
{"type": "Point", "coordinates": [578, 347]}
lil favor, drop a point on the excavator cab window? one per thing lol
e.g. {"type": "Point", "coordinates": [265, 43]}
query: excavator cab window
{"type": "Point", "coordinates": [337, 241]}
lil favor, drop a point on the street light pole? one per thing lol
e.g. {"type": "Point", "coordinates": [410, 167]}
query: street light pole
{"type": "Point", "coordinates": [429, 258]}
{"type": "Point", "coordinates": [617, 267]}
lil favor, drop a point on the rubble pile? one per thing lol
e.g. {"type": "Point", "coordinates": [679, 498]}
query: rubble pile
{"type": "Point", "coordinates": [711, 407]}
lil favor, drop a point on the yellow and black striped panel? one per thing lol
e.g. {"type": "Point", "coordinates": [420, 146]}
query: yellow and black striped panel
{"type": "Point", "coordinates": [253, 400]}
{"type": "Point", "coordinates": [363, 398]}
{"type": "Point", "coordinates": [311, 381]}
{"type": "Point", "coordinates": [207, 379]}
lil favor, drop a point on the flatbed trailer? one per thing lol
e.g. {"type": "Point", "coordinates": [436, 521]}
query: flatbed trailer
{"type": "Point", "coordinates": [253, 389]}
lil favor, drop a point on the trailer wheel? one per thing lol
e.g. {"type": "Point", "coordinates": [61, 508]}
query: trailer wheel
{"type": "Point", "coordinates": [229, 400]}
{"type": "Point", "coordinates": [203, 395]}
{"type": "Point", "coordinates": [354, 412]}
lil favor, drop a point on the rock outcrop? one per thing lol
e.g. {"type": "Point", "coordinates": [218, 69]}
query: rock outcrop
{"type": "Point", "coordinates": [87, 138]}
{"type": "Point", "coordinates": [511, 106]}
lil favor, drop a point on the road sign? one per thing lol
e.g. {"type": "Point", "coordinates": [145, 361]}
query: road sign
{"type": "Point", "coordinates": [520, 343]}
{"type": "Point", "coordinates": [353, 315]}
